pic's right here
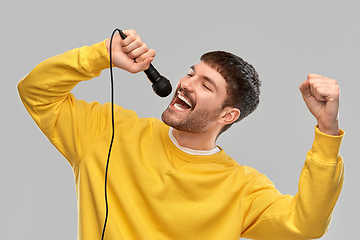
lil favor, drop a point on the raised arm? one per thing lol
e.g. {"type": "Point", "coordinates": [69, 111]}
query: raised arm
{"type": "Point", "coordinates": [307, 215]}
{"type": "Point", "coordinates": [71, 124]}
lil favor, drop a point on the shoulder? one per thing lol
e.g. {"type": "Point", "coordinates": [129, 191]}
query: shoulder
{"type": "Point", "coordinates": [249, 177]}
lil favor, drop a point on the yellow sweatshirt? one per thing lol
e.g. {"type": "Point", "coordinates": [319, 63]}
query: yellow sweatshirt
{"type": "Point", "coordinates": [155, 190]}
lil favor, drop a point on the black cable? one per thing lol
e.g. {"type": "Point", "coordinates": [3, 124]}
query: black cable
{"type": "Point", "coordinates": [112, 137]}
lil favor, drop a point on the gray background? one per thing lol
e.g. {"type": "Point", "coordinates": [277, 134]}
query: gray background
{"type": "Point", "coordinates": [284, 40]}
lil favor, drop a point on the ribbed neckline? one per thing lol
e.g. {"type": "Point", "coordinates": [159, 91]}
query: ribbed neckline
{"type": "Point", "coordinates": [192, 151]}
{"type": "Point", "coordinates": [186, 156]}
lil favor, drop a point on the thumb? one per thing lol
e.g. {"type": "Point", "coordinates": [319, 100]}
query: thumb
{"type": "Point", "coordinates": [146, 63]}
{"type": "Point", "coordinates": [143, 65]}
{"type": "Point", "coordinates": [305, 88]}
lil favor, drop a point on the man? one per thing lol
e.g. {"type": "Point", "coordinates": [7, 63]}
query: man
{"type": "Point", "coordinates": [171, 181]}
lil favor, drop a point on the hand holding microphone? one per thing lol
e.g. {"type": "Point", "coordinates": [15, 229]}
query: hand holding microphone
{"type": "Point", "coordinates": [130, 53]}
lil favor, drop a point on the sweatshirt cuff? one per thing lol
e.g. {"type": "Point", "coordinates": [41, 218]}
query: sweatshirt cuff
{"type": "Point", "coordinates": [95, 58]}
{"type": "Point", "coordinates": [326, 148]}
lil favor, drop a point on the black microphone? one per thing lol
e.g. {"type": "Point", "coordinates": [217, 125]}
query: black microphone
{"type": "Point", "coordinates": [161, 85]}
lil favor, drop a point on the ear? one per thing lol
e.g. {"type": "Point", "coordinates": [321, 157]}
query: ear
{"type": "Point", "coordinates": [229, 115]}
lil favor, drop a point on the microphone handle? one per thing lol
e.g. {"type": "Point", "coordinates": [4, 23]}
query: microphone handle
{"type": "Point", "coordinates": [152, 74]}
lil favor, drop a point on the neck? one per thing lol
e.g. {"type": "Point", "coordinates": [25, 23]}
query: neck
{"type": "Point", "coordinates": [196, 141]}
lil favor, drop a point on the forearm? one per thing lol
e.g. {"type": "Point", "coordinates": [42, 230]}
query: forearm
{"type": "Point", "coordinates": [308, 214]}
{"type": "Point", "coordinates": [49, 84]}
{"type": "Point", "coordinates": [71, 125]}
{"type": "Point", "coordinates": [320, 185]}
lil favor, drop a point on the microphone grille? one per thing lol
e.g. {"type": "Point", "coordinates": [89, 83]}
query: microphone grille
{"type": "Point", "coordinates": [162, 87]}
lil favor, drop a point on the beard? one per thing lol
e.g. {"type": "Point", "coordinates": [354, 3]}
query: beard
{"type": "Point", "coordinates": [197, 121]}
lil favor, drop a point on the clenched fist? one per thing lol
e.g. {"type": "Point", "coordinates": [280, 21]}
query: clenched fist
{"type": "Point", "coordinates": [321, 95]}
{"type": "Point", "coordinates": [130, 54]}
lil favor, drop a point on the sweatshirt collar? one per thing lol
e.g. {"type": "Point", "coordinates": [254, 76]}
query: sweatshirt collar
{"type": "Point", "coordinates": [189, 150]}
{"type": "Point", "coordinates": [189, 157]}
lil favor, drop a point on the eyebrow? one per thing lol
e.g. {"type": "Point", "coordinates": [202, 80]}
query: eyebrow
{"type": "Point", "coordinates": [206, 78]}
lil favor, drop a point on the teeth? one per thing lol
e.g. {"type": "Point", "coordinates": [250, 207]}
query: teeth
{"type": "Point", "coordinates": [177, 106]}
{"type": "Point", "coordinates": [184, 99]}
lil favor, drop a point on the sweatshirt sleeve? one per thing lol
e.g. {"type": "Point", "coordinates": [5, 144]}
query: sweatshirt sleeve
{"type": "Point", "coordinates": [307, 215]}
{"type": "Point", "coordinates": [71, 125]}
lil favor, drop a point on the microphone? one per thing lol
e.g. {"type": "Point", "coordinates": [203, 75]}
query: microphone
{"type": "Point", "coordinates": [160, 84]}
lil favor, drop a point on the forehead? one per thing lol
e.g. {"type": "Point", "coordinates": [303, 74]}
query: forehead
{"type": "Point", "coordinates": [210, 74]}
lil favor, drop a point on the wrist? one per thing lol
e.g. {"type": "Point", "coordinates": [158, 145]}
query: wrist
{"type": "Point", "coordinates": [332, 129]}
{"type": "Point", "coordinates": [107, 44]}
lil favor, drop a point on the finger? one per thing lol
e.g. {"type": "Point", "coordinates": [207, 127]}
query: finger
{"type": "Point", "coordinates": [314, 75]}
{"type": "Point", "coordinates": [133, 45]}
{"type": "Point", "coordinates": [149, 54]}
{"type": "Point", "coordinates": [142, 66]}
{"type": "Point", "coordinates": [138, 51]}
{"type": "Point", "coordinates": [131, 36]}
{"type": "Point", "coordinates": [327, 92]}
{"type": "Point", "coordinates": [318, 86]}
{"type": "Point", "coordinates": [318, 91]}
{"type": "Point", "coordinates": [145, 64]}
{"type": "Point", "coordinates": [305, 88]}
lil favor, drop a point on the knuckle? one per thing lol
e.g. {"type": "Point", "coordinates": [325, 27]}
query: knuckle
{"type": "Point", "coordinates": [310, 75]}
{"type": "Point", "coordinates": [312, 82]}
{"type": "Point", "coordinates": [130, 55]}
{"type": "Point", "coordinates": [152, 52]}
{"type": "Point", "coordinates": [125, 50]}
{"type": "Point", "coordinates": [131, 32]}
{"type": "Point", "coordinates": [131, 38]}
{"type": "Point", "coordinates": [139, 43]}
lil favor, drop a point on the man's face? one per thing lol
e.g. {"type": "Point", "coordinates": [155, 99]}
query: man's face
{"type": "Point", "coordinates": [198, 99]}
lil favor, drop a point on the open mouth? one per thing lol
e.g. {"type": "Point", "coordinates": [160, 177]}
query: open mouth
{"type": "Point", "coordinates": [181, 102]}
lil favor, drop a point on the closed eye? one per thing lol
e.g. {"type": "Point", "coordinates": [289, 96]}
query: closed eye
{"type": "Point", "coordinates": [207, 88]}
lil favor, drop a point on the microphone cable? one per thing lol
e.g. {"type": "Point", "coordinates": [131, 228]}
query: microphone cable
{"type": "Point", "coordinates": [112, 136]}
{"type": "Point", "coordinates": [161, 86]}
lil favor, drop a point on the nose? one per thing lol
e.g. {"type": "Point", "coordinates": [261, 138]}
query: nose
{"type": "Point", "coordinates": [187, 83]}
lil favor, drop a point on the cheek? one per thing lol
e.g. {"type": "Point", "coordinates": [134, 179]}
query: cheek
{"type": "Point", "coordinates": [211, 99]}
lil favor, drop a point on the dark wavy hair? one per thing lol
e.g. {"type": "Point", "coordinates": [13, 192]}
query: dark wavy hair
{"type": "Point", "coordinates": [243, 84]}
